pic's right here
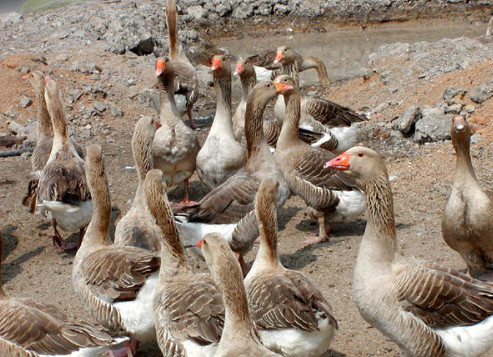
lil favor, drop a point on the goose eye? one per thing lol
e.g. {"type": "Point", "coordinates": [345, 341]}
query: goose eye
{"type": "Point", "coordinates": [360, 154]}
{"type": "Point", "coordinates": [268, 85]}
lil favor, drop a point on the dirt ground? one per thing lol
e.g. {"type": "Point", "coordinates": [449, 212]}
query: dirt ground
{"type": "Point", "coordinates": [421, 180]}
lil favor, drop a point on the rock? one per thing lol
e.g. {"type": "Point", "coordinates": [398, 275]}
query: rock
{"type": "Point", "coordinates": [380, 108]}
{"type": "Point", "coordinates": [28, 131]}
{"type": "Point", "coordinates": [482, 93]}
{"type": "Point", "coordinates": [405, 124]}
{"type": "Point", "coordinates": [116, 111]}
{"type": "Point", "coordinates": [100, 107]}
{"type": "Point", "coordinates": [451, 92]}
{"type": "Point", "coordinates": [454, 108]}
{"type": "Point", "coordinates": [470, 108]}
{"type": "Point", "coordinates": [25, 101]}
{"type": "Point", "coordinates": [196, 12]}
{"type": "Point", "coordinates": [152, 96]}
{"type": "Point", "coordinates": [433, 126]}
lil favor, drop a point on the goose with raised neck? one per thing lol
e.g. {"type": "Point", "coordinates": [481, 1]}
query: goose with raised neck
{"type": "Point", "coordinates": [331, 197]}
{"type": "Point", "coordinates": [115, 283]}
{"type": "Point", "coordinates": [221, 155]}
{"type": "Point", "coordinates": [428, 309]}
{"type": "Point", "coordinates": [290, 312]}
{"type": "Point", "coordinates": [467, 222]}
{"type": "Point", "coordinates": [188, 307]}
{"type": "Point", "coordinates": [338, 123]}
{"type": "Point", "coordinates": [240, 337]}
{"type": "Point", "coordinates": [32, 328]}
{"type": "Point", "coordinates": [186, 83]}
{"type": "Point", "coordinates": [62, 192]}
{"type": "Point", "coordinates": [228, 209]}
{"type": "Point", "coordinates": [175, 146]}
{"type": "Point", "coordinates": [138, 228]}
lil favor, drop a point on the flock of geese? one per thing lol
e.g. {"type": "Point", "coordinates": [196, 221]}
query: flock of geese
{"type": "Point", "coordinates": [139, 284]}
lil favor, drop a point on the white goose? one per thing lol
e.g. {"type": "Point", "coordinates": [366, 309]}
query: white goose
{"type": "Point", "coordinates": [427, 309]}
{"type": "Point", "coordinates": [115, 283]}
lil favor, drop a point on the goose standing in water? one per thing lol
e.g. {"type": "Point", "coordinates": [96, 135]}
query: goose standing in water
{"type": "Point", "coordinates": [240, 337]}
{"type": "Point", "coordinates": [426, 308]}
{"type": "Point", "coordinates": [115, 283]}
{"type": "Point", "coordinates": [62, 192]}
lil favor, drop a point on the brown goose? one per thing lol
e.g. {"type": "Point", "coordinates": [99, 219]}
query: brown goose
{"type": "Point", "coordinates": [175, 146]}
{"type": "Point", "coordinates": [186, 84]}
{"type": "Point", "coordinates": [427, 309]}
{"type": "Point", "coordinates": [115, 283]}
{"type": "Point", "coordinates": [267, 60]}
{"type": "Point", "coordinates": [30, 329]}
{"type": "Point", "coordinates": [44, 138]}
{"type": "Point", "coordinates": [467, 222]}
{"type": "Point", "coordinates": [228, 209]}
{"type": "Point", "coordinates": [62, 193]}
{"type": "Point", "coordinates": [221, 155]}
{"type": "Point", "coordinates": [331, 197]}
{"type": "Point", "coordinates": [318, 114]}
{"type": "Point", "coordinates": [240, 337]}
{"type": "Point", "coordinates": [189, 308]}
{"type": "Point", "coordinates": [138, 228]}
{"type": "Point", "coordinates": [290, 312]}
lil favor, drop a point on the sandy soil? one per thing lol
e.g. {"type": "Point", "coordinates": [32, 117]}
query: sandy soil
{"type": "Point", "coordinates": [421, 180]}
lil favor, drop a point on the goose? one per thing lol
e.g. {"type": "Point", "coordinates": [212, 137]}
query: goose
{"type": "Point", "coordinates": [289, 311]}
{"type": "Point", "coordinates": [228, 209]}
{"type": "Point", "coordinates": [272, 128]}
{"type": "Point", "coordinates": [489, 28]}
{"type": "Point", "coordinates": [186, 84]}
{"type": "Point", "coordinates": [239, 338]}
{"type": "Point", "coordinates": [221, 155]}
{"type": "Point", "coordinates": [138, 228]}
{"type": "Point", "coordinates": [175, 146]}
{"type": "Point", "coordinates": [467, 222]}
{"type": "Point", "coordinates": [36, 329]}
{"type": "Point", "coordinates": [267, 61]}
{"type": "Point", "coordinates": [426, 308]}
{"type": "Point", "coordinates": [188, 306]}
{"type": "Point", "coordinates": [62, 192]}
{"type": "Point", "coordinates": [331, 197]}
{"type": "Point", "coordinates": [318, 114]}
{"type": "Point", "coordinates": [115, 283]}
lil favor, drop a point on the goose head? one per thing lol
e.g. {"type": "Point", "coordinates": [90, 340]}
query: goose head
{"type": "Point", "coordinates": [37, 81]}
{"type": "Point", "coordinates": [220, 63]}
{"type": "Point", "coordinates": [146, 127]}
{"type": "Point", "coordinates": [362, 163]}
{"type": "Point", "coordinates": [285, 55]}
{"type": "Point", "coordinates": [244, 68]}
{"type": "Point", "coordinates": [217, 254]}
{"type": "Point", "coordinates": [285, 85]}
{"type": "Point", "coordinates": [460, 131]}
{"type": "Point", "coordinates": [164, 67]}
{"type": "Point", "coordinates": [263, 92]}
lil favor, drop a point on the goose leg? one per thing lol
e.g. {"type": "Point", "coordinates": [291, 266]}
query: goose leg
{"type": "Point", "coordinates": [189, 114]}
{"type": "Point", "coordinates": [186, 200]}
{"type": "Point", "coordinates": [323, 232]}
{"type": "Point", "coordinates": [129, 349]}
{"type": "Point", "coordinates": [57, 238]}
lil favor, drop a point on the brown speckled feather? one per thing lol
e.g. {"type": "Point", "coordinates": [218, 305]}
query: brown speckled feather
{"type": "Point", "coordinates": [44, 329]}
{"type": "Point", "coordinates": [329, 113]}
{"type": "Point", "coordinates": [229, 202]}
{"type": "Point", "coordinates": [117, 273]}
{"type": "Point", "coordinates": [287, 301]}
{"type": "Point", "coordinates": [265, 59]}
{"type": "Point", "coordinates": [192, 311]}
{"type": "Point", "coordinates": [272, 129]}
{"type": "Point", "coordinates": [442, 299]}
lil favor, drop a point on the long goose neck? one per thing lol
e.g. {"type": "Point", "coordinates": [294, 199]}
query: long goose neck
{"type": "Point", "coordinates": [222, 86]}
{"type": "Point", "coordinates": [44, 126]}
{"type": "Point", "coordinates": [380, 232]}
{"type": "Point", "coordinates": [267, 221]}
{"type": "Point", "coordinates": [142, 152]}
{"type": "Point", "coordinates": [97, 232]}
{"type": "Point", "coordinates": [254, 132]}
{"type": "Point", "coordinates": [247, 83]}
{"type": "Point", "coordinates": [464, 170]}
{"type": "Point", "coordinates": [289, 130]}
{"type": "Point", "coordinates": [58, 120]}
{"type": "Point", "coordinates": [168, 111]}
{"type": "Point", "coordinates": [313, 62]}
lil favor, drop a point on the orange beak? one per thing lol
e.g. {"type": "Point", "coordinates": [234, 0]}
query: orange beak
{"type": "Point", "coordinates": [459, 123]}
{"type": "Point", "coordinates": [281, 88]}
{"type": "Point", "coordinates": [239, 69]}
{"type": "Point", "coordinates": [47, 79]}
{"type": "Point", "coordinates": [216, 63]}
{"type": "Point", "coordinates": [340, 162]}
{"type": "Point", "coordinates": [199, 243]}
{"type": "Point", "coordinates": [160, 67]}
{"type": "Point", "coordinates": [279, 57]}
{"type": "Point", "coordinates": [26, 76]}
{"type": "Point", "coordinates": [158, 124]}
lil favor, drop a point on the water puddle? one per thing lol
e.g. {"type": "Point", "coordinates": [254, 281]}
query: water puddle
{"type": "Point", "coordinates": [345, 51]}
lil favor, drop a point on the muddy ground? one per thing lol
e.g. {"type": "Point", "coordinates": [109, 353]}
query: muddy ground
{"type": "Point", "coordinates": [421, 179]}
